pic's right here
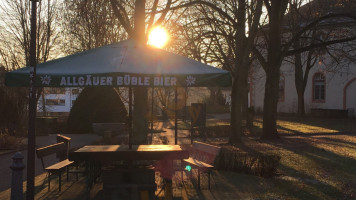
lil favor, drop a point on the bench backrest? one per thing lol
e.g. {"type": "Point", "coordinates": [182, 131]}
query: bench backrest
{"type": "Point", "coordinates": [62, 155]}
{"type": "Point", "coordinates": [205, 152]}
{"type": "Point", "coordinates": [49, 150]}
{"type": "Point", "coordinates": [62, 138]}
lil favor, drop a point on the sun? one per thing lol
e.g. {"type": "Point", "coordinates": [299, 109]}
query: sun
{"type": "Point", "coordinates": [158, 37]}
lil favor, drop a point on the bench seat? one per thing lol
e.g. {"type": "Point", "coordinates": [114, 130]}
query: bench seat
{"type": "Point", "coordinates": [197, 163]}
{"type": "Point", "coordinates": [58, 166]}
{"type": "Point", "coordinates": [201, 158]}
{"type": "Point", "coordinates": [61, 149]}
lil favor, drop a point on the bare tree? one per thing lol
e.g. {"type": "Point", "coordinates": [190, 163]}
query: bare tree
{"type": "Point", "coordinates": [15, 33]}
{"type": "Point", "coordinates": [12, 106]}
{"type": "Point", "coordinates": [275, 47]}
{"type": "Point", "coordinates": [90, 24]}
{"type": "Point", "coordinates": [223, 33]}
{"type": "Point", "coordinates": [329, 30]}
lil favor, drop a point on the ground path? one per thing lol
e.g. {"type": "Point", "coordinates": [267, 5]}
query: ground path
{"type": "Point", "coordinates": [77, 140]}
{"type": "Point", "coordinates": [313, 166]}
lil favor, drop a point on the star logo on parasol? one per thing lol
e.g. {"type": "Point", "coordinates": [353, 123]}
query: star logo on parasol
{"type": "Point", "coordinates": [46, 80]}
{"type": "Point", "coordinates": [190, 80]}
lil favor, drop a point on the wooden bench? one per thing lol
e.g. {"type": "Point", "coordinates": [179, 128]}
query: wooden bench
{"type": "Point", "coordinates": [202, 158]}
{"type": "Point", "coordinates": [56, 168]}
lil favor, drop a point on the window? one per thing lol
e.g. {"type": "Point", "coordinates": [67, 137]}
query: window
{"type": "Point", "coordinates": [55, 90]}
{"type": "Point", "coordinates": [281, 89]}
{"type": "Point", "coordinates": [319, 87]}
{"type": "Point", "coordinates": [56, 102]}
{"type": "Point", "coordinates": [75, 91]}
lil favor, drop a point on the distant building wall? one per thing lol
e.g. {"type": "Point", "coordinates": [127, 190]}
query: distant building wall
{"type": "Point", "coordinates": [58, 101]}
{"type": "Point", "coordinates": [340, 89]}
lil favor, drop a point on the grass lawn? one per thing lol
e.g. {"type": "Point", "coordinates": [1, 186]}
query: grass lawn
{"type": "Point", "coordinates": [305, 126]}
{"type": "Point", "coordinates": [289, 125]}
{"type": "Point", "coordinates": [209, 122]}
{"type": "Point", "coordinates": [316, 167]}
{"type": "Point", "coordinates": [318, 162]}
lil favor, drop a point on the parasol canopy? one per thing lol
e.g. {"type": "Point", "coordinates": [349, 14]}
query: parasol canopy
{"type": "Point", "coordinates": [126, 63]}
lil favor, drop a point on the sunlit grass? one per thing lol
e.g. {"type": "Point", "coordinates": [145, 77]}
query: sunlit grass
{"type": "Point", "coordinates": [318, 167]}
{"type": "Point", "coordinates": [290, 127]}
{"type": "Point", "coordinates": [315, 167]}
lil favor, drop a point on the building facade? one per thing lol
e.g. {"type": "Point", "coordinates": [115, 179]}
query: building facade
{"type": "Point", "coordinates": [325, 89]}
{"type": "Point", "coordinates": [57, 101]}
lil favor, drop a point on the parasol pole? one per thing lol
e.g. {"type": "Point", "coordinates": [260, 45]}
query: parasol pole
{"type": "Point", "coordinates": [130, 117]}
{"type": "Point", "coordinates": [30, 187]}
{"type": "Point", "coordinates": [176, 117]}
{"type": "Point", "coordinates": [153, 89]}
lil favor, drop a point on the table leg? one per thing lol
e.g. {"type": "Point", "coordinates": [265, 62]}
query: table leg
{"type": "Point", "coordinates": [168, 190]}
{"type": "Point", "coordinates": [89, 177]}
{"type": "Point", "coordinates": [96, 171]}
{"type": "Point", "coordinates": [167, 174]}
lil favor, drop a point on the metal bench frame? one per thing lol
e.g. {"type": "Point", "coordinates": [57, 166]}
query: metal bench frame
{"type": "Point", "coordinates": [197, 161]}
{"type": "Point", "coordinates": [56, 168]}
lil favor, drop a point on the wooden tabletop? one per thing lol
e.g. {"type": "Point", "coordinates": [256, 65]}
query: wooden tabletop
{"type": "Point", "coordinates": [122, 152]}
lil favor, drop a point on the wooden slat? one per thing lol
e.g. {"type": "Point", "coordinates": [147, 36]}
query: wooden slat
{"type": "Point", "coordinates": [197, 163]}
{"type": "Point", "coordinates": [122, 152]}
{"type": "Point", "coordinates": [127, 186]}
{"type": "Point", "coordinates": [125, 148]}
{"type": "Point", "coordinates": [62, 155]}
{"type": "Point", "coordinates": [59, 165]}
{"type": "Point", "coordinates": [51, 149]}
{"type": "Point", "coordinates": [63, 138]}
{"type": "Point", "coordinates": [207, 148]}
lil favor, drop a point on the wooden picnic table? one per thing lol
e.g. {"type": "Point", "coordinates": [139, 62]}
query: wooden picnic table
{"type": "Point", "coordinates": [122, 152]}
{"type": "Point", "coordinates": [94, 155]}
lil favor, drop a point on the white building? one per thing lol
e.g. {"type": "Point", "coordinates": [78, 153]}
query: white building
{"type": "Point", "coordinates": [325, 90]}
{"type": "Point", "coordinates": [331, 83]}
{"type": "Point", "coordinates": [57, 101]}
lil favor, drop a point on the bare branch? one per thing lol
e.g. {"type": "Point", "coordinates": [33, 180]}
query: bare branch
{"type": "Point", "coordinates": [123, 17]}
{"type": "Point", "coordinates": [314, 24]}
{"type": "Point", "coordinates": [212, 6]}
{"type": "Point", "coordinates": [319, 45]}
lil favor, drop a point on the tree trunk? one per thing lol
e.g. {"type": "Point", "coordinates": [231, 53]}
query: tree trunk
{"type": "Point", "coordinates": [301, 107]}
{"type": "Point", "coordinates": [140, 114]}
{"type": "Point", "coordinates": [236, 115]}
{"type": "Point", "coordinates": [140, 111]}
{"type": "Point", "coordinates": [274, 61]}
{"type": "Point", "coordinates": [270, 104]}
{"type": "Point", "coordinates": [298, 80]}
{"type": "Point", "coordinates": [44, 110]}
{"type": "Point", "coordinates": [244, 92]}
{"type": "Point", "coordinates": [240, 76]}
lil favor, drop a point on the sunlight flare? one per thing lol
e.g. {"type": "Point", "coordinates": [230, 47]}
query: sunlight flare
{"type": "Point", "coordinates": [158, 37]}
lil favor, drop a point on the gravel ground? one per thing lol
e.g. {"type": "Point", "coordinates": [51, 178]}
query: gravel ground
{"type": "Point", "coordinates": [77, 140]}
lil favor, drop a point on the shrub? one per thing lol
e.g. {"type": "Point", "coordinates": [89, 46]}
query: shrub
{"type": "Point", "coordinates": [216, 103]}
{"type": "Point", "coordinates": [9, 141]}
{"type": "Point", "coordinates": [257, 163]}
{"type": "Point", "coordinates": [112, 141]}
{"type": "Point", "coordinates": [13, 109]}
{"type": "Point", "coordinates": [212, 131]}
{"type": "Point", "coordinates": [46, 125]}
{"type": "Point", "coordinates": [95, 105]}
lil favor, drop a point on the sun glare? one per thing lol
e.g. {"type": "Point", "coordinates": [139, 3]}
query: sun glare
{"type": "Point", "coordinates": [158, 37]}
